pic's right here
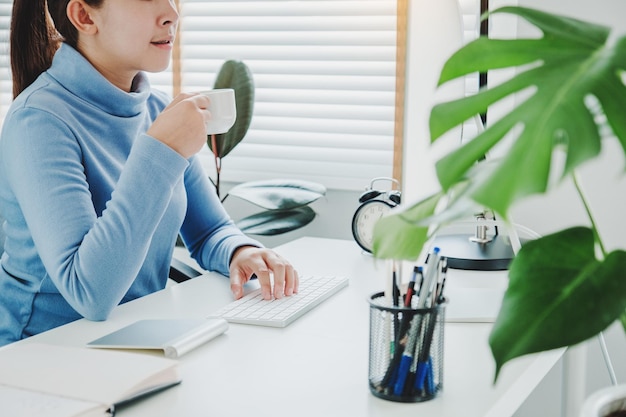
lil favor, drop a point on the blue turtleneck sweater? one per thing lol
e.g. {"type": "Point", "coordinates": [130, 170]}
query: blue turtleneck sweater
{"type": "Point", "coordinates": [92, 204]}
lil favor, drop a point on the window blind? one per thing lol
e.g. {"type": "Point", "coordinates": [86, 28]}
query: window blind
{"type": "Point", "coordinates": [6, 86]}
{"type": "Point", "coordinates": [325, 83]}
{"type": "Point", "coordinates": [324, 74]}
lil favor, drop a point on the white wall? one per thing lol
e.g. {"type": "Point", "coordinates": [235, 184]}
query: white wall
{"type": "Point", "coordinates": [604, 182]}
{"type": "Point", "coordinates": [604, 179]}
{"type": "Point", "coordinates": [434, 33]}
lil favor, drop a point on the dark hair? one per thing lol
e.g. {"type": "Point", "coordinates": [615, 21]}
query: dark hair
{"type": "Point", "coordinates": [37, 29]}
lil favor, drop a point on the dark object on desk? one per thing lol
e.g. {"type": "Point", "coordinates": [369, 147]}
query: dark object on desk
{"type": "Point", "coordinates": [495, 255]}
{"type": "Point", "coordinates": [180, 271]}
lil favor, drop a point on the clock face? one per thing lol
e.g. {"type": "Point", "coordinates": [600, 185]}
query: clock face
{"type": "Point", "coordinates": [364, 220]}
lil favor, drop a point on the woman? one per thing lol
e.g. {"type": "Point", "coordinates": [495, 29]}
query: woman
{"type": "Point", "coordinates": [97, 171]}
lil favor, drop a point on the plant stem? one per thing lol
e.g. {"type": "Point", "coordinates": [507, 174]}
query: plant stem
{"type": "Point", "coordinates": [594, 225]}
{"type": "Point", "coordinates": [218, 163]}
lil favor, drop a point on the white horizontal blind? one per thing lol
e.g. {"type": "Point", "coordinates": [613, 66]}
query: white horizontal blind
{"type": "Point", "coordinates": [324, 73]}
{"type": "Point", "coordinates": [6, 86]}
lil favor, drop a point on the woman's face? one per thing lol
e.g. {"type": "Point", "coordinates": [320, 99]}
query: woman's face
{"type": "Point", "coordinates": [130, 36]}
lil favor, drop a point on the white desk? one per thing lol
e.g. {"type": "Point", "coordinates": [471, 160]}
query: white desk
{"type": "Point", "coordinates": [317, 366]}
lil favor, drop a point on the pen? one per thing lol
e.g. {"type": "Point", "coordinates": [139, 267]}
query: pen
{"type": "Point", "coordinates": [424, 355]}
{"type": "Point", "coordinates": [411, 288]}
{"type": "Point", "coordinates": [395, 287]}
{"type": "Point", "coordinates": [410, 384]}
{"type": "Point", "coordinates": [391, 375]}
{"type": "Point", "coordinates": [407, 357]}
{"type": "Point", "coordinates": [430, 278]}
{"type": "Point", "coordinates": [430, 376]}
{"type": "Point", "coordinates": [444, 273]}
{"type": "Point", "coordinates": [421, 274]}
{"type": "Point", "coordinates": [396, 303]}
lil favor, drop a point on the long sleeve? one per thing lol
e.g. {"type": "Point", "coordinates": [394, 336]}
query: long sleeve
{"type": "Point", "coordinates": [208, 231]}
{"type": "Point", "coordinates": [91, 258]}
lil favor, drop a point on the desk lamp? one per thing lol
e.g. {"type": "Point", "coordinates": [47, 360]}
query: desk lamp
{"type": "Point", "coordinates": [480, 251]}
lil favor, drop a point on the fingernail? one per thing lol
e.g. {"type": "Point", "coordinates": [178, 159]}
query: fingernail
{"type": "Point", "coordinates": [266, 294]}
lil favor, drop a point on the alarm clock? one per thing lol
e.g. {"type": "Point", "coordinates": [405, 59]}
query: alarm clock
{"type": "Point", "coordinates": [374, 204]}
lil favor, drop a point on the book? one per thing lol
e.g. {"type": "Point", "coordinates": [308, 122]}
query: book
{"type": "Point", "coordinates": [174, 337]}
{"type": "Point", "coordinates": [60, 381]}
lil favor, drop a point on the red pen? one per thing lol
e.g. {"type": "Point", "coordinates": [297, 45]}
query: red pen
{"type": "Point", "coordinates": [411, 288]}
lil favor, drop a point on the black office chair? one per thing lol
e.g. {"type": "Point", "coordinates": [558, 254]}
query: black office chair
{"type": "Point", "coordinates": [180, 271]}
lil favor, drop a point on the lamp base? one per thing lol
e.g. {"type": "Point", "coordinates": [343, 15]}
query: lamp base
{"type": "Point", "coordinates": [462, 253]}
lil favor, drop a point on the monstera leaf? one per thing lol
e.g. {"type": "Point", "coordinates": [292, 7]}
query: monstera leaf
{"type": "Point", "coordinates": [559, 294]}
{"type": "Point", "coordinates": [566, 287]}
{"type": "Point", "coordinates": [570, 66]}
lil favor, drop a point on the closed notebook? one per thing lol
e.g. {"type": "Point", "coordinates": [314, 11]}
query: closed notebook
{"type": "Point", "coordinates": [174, 337]}
{"type": "Point", "coordinates": [60, 381]}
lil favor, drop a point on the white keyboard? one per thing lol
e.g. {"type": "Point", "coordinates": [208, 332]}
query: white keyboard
{"type": "Point", "coordinates": [253, 309]}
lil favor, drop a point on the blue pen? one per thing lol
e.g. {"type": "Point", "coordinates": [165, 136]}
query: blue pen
{"type": "Point", "coordinates": [425, 379]}
{"type": "Point", "coordinates": [407, 356]}
{"type": "Point", "coordinates": [424, 355]}
{"type": "Point", "coordinates": [420, 376]}
{"type": "Point", "coordinates": [430, 376]}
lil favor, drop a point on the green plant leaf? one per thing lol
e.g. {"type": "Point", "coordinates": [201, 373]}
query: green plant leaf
{"type": "Point", "coordinates": [279, 194]}
{"type": "Point", "coordinates": [275, 222]}
{"type": "Point", "coordinates": [402, 233]}
{"type": "Point", "coordinates": [433, 212]}
{"type": "Point", "coordinates": [236, 75]}
{"type": "Point", "coordinates": [562, 69]}
{"type": "Point", "coordinates": [559, 295]}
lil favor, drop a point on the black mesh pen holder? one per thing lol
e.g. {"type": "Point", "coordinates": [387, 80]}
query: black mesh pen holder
{"type": "Point", "coordinates": [406, 350]}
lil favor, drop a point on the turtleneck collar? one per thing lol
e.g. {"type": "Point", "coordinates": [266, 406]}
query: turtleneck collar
{"type": "Point", "coordinates": [78, 76]}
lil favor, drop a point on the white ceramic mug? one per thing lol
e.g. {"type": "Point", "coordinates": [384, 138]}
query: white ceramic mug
{"type": "Point", "coordinates": [222, 108]}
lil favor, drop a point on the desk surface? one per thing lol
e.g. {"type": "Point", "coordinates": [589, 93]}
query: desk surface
{"type": "Point", "coordinates": [317, 366]}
